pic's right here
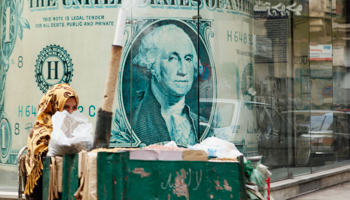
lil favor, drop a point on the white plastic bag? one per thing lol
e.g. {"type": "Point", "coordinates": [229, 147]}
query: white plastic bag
{"type": "Point", "coordinates": [171, 144]}
{"type": "Point", "coordinates": [217, 148]}
{"type": "Point", "coordinates": [71, 134]}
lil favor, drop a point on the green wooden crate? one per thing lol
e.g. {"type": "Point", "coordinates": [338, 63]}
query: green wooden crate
{"type": "Point", "coordinates": [183, 180]}
{"type": "Point", "coordinates": [70, 180]}
{"type": "Point", "coordinates": [121, 178]}
{"type": "Point", "coordinates": [46, 177]}
{"type": "Point", "coordinates": [112, 175]}
{"type": "Point", "coordinates": [166, 179]}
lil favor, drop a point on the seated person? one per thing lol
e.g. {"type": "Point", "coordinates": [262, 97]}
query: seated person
{"type": "Point", "coordinates": [58, 98]}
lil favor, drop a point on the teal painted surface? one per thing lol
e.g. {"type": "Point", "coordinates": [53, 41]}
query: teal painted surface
{"type": "Point", "coordinates": [224, 180]}
{"type": "Point", "coordinates": [70, 180]}
{"type": "Point", "coordinates": [120, 178]}
{"type": "Point", "coordinates": [241, 170]}
{"type": "Point", "coordinates": [112, 175]}
{"type": "Point", "coordinates": [183, 180]}
{"type": "Point", "coordinates": [46, 177]}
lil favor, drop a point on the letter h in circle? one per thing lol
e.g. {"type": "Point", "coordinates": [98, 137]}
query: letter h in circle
{"type": "Point", "coordinates": [55, 69]}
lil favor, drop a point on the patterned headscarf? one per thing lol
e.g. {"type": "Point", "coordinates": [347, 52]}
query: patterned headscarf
{"type": "Point", "coordinates": [38, 140]}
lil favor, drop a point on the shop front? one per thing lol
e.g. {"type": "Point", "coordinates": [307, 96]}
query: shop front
{"type": "Point", "coordinates": [270, 77]}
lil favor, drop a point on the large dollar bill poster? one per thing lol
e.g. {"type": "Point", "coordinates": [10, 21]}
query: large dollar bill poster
{"type": "Point", "coordinates": [176, 55]}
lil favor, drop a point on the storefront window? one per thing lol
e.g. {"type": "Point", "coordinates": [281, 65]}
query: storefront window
{"type": "Point", "coordinates": [273, 66]}
{"type": "Point", "coordinates": [269, 76]}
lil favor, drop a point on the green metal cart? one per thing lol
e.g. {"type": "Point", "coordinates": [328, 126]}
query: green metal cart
{"type": "Point", "coordinates": [118, 177]}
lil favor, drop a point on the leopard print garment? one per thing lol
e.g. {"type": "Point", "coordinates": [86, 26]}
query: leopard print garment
{"type": "Point", "coordinates": [38, 140]}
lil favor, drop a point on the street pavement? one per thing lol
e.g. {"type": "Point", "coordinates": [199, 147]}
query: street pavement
{"type": "Point", "coordinates": [337, 192]}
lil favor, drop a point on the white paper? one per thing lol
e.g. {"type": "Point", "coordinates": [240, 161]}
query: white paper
{"type": "Point", "coordinates": [119, 32]}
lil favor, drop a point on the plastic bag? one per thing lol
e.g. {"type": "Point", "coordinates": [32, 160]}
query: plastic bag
{"type": "Point", "coordinates": [71, 134]}
{"type": "Point", "coordinates": [216, 147]}
{"type": "Point", "coordinates": [171, 144]}
{"type": "Point", "coordinates": [259, 176]}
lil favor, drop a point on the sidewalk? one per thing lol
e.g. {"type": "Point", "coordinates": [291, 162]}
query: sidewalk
{"type": "Point", "coordinates": [309, 183]}
{"type": "Point", "coordinates": [338, 192]}
{"type": "Point", "coordinates": [324, 185]}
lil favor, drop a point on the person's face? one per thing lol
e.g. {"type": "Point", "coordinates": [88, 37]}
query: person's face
{"type": "Point", "coordinates": [177, 66]}
{"type": "Point", "coordinates": [70, 105]}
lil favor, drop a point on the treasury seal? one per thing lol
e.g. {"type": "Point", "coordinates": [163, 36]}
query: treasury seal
{"type": "Point", "coordinates": [53, 66]}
